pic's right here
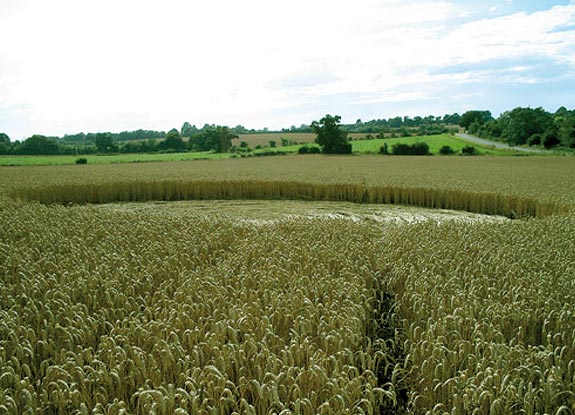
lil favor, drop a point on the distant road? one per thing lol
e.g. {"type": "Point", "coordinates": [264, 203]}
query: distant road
{"type": "Point", "coordinates": [496, 144]}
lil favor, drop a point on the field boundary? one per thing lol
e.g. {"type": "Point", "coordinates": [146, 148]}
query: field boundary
{"type": "Point", "coordinates": [510, 206]}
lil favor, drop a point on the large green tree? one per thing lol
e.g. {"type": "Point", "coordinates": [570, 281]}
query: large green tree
{"type": "Point", "coordinates": [188, 129]}
{"type": "Point", "coordinates": [472, 120]}
{"type": "Point", "coordinates": [213, 138]}
{"type": "Point", "coordinates": [39, 144]}
{"type": "Point", "coordinates": [329, 135]}
{"type": "Point", "coordinates": [105, 143]}
{"type": "Point", "coordinates": [4, 143]}
{"type": "Point", "coordinates": [565, 125]}
{"type": "Point", "coordinates": [173, 142]}
{"type": "Point", "coordinates": [519, 124]}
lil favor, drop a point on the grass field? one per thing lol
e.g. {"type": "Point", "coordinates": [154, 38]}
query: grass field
{"type": "Point", "coordinates": [359, 145]}
{"type": "Point", "coordinates": [105, 159]}
{"type": "Point", "coordinates": [223, 307]}
{"type": "Point", "coordinates": [435, 142]}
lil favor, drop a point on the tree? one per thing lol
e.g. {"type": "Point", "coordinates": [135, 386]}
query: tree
{"type": "Point", "coordinates": [4, 143]}
{"type": "Point", "coordinates": [330, 137]}
{"type": "Point", "coordinates": [519, 124]}
{"type": "Point", "coordinates": [213, 138]}
{"type": "Point", "coordinates": [550, 139]}
{"type": "Point", "coordinates": [469, 151]}
{"type": "Point", "coordinates": [446, 150]}
{"type": "Point", "coordinates": [39, 144]}
{"type": "Point", "coordinates": [188, 129]}
{"type": "Point", "coordinates": [566, 130]}
{"type": "Point", "coordinates": [173, 142]}
{"type": "Point", "coordinates": [477, 118]}
{"type": "Point", "coordinates": [105, 143]}
{"type": "Point", "coordinates": [416, 149]}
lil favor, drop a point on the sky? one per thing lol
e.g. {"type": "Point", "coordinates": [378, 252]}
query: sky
{"type": "Point", "coordinates": [69, 66]}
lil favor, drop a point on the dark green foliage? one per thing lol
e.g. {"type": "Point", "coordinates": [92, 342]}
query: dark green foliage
{"type": "Point", "coordinates": [384, 149]}
{"type": "Point", "coordinates": [566, 128]}
{"type": "Point", "coordinates": [420, 125]}
{"type": "Point", "coordinates": [105, 143]}
{"type": "Point", "coordinates": [82, 160]}
{"type": "Point", "coordinates": [272, 144]}
{"type": "Point", "coordinates": [286, 142]}
{"type": "Point", "coordinates": [330, 137]}
{"type": "Point", "coordinates": [531, 126]}
{"type": "Point", "coordinates": [519, 124]}
{"type": "Point", "coordinates": [145, 146]}
{"type": "Point", "coordinates": [217, 138]}
{"type": "Point", "coordinates": [188, 130]}
{"type": "Point", "coordinates": [534, 140]}
{"type": "Point", "coordinates": [446, 150]}
{"type": "Point", "coordinates": [550, 138]}
{"type": "Point", "coordinates": [39, 144]}
{"type": "Point", "coordinates": [472, 120]}
{"type": "Point", "coordinates": [4, 143]}
{"type": "Point", "coordinates": [140, 134]}
{"type": "Point", "coordinates": [309, 150]}
{"type": "Point", "coordinates": [173, 142]}
{"type": "Point", "coordinates": [240, 129]}
{"type": "Point", "coordinates": [469, 151]}
{"type": "Point", "coordinates": [417, 149]}
{"type": "Point", "coordinates": [268, 152]}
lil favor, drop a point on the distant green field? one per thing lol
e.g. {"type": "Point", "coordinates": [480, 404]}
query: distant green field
{"type": "Point", "coordinates": [360, 146]}
{"type": "Point", "coordinates": [435, 142]}
{"type": "Point", "coordinates": [107, 159]}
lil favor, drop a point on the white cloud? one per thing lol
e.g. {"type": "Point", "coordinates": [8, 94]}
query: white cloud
{"type": "Point", "coordinates": [82, 65]}
{"type": "Point", "coordinates": [514, 36]}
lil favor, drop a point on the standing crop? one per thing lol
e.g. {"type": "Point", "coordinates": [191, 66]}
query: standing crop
{"type": "Point", "coordinates": [140, 311]}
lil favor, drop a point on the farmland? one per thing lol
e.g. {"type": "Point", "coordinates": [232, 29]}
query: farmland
{"type": "Point", "coordinates": [259, 144]}
{"type": "Point", "coordinates": [148, 303]}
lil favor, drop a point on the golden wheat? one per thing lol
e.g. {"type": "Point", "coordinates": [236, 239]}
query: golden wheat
{"type": "Point", "coordinates": [139, 312]}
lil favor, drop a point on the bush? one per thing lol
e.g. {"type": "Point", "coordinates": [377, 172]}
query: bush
{"type": "Point", "coordinates": [269, 153]}
{"type": "Point", "coordinates": [469, 151]}
{"type": "Point", "coordinates": [400, 149]}
{"type": "Point", "coordinates": [341, 148]}
{"type": "Point", "coordinates": [417, 149]}
{"type": "Point", "coordinates": [384, 149]}
{"type": "Point", "coordinates": [534, 140]}
{"type": "Point", "coordinates": [421, 149]}
{"type": "Point", "coordinates": [550, 139]}
{"type": "Point", "coordinates": [446, 150]}
{"type": "Point", "coordinates": [82, 160]}
{"type": "Point", "coordinates": [309, 150]}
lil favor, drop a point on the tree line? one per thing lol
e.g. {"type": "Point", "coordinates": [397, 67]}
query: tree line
{"type": "Point", "coordinates": [399, 126]}
{"type": "Point", "coordinates": [520, 126]}
{"type": "Point", "coordinates": [524, 126]}
{"type": "Point", "coordinates": [209, 138]}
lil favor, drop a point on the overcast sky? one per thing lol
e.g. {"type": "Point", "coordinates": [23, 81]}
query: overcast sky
{"type": "Point", "coordinates": [110, 65]}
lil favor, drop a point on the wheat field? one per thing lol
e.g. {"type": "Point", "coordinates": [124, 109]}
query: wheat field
{"type": "Point", "coordinates": [141, 308]}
